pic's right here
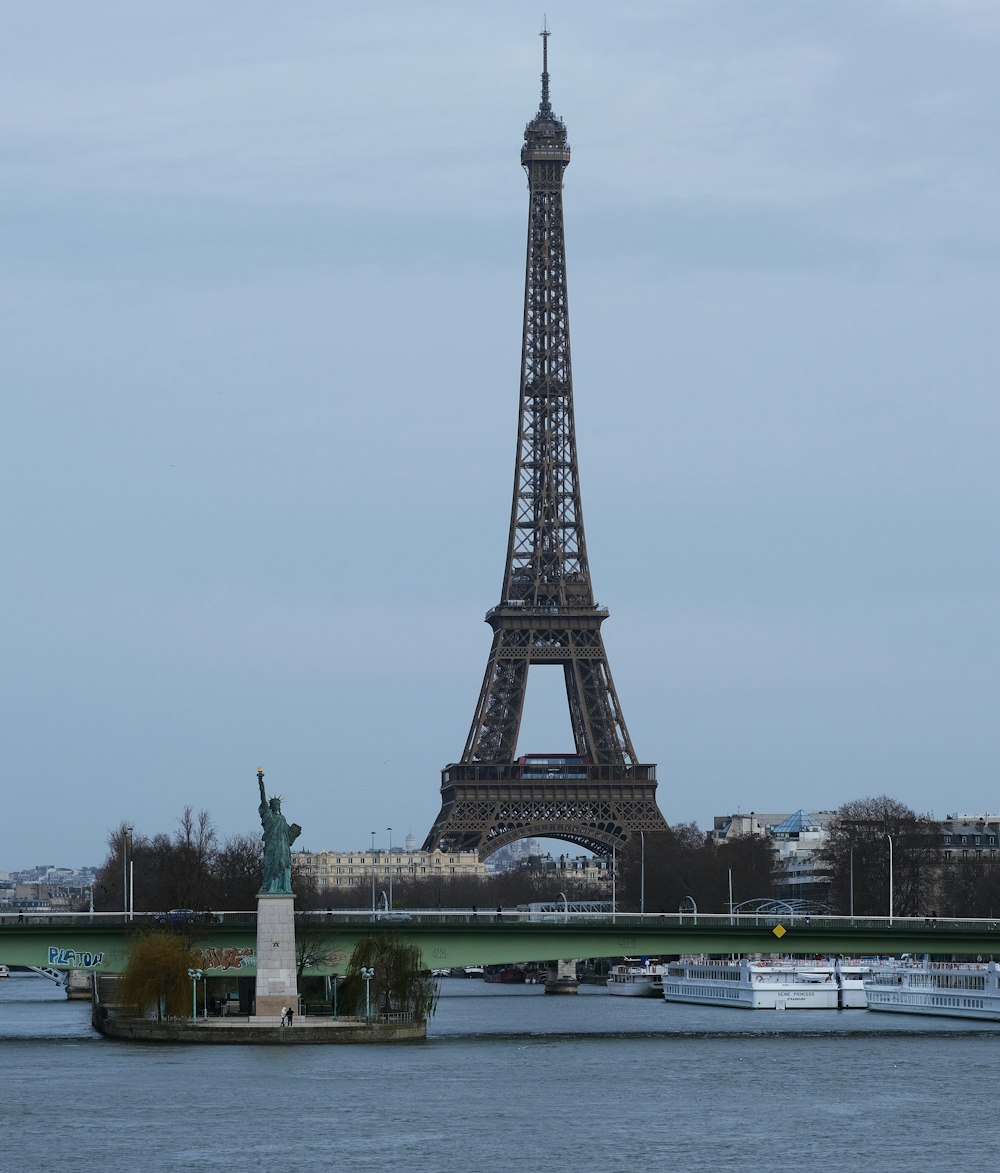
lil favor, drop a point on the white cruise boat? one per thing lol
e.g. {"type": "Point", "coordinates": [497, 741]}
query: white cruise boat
{"type": "Point", "coordinates": [636, 979]}
{"type": "Point", "coordinates": [963, 989]}
{"type": "Point", "coordinates": [788, 984]}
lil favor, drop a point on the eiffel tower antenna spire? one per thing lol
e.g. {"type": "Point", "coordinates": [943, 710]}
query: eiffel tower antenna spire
{"type": "Point", "coordinates": [600, 794]}
{"type": "Point", "coordinates": [546, 106]}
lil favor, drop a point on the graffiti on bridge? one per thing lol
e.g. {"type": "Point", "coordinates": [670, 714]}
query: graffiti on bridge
{"type": "Point", "coordinates": [225, 958]}
{"type": "Point", "coordinates": [73, 958]}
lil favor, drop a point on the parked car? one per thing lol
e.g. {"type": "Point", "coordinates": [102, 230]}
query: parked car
{"type": "Point", "coordinates": [176, 915]}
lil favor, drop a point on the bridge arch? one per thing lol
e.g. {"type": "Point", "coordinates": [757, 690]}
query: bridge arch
{"type": "Point", "coordinates": [795, 906]}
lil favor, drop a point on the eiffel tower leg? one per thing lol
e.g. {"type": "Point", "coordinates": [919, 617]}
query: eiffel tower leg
{"type": "Point", "coordinates": [493, 736]}
{"type": "Point", "coordinates": [598, 726]}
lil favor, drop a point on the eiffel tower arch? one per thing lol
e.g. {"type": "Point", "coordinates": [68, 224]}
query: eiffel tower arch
{"type": "Point", "coordinates": [599, 795]}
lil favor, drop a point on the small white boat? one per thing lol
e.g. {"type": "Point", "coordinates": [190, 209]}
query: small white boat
{"type": "Point", "coordinates": [788, 984]}
{"type": "Point", "coordinates": [962, 989]}
{"type": "Point", "coordinates": [4, 972]}
{"type": "Point", "coordinates": [636, 979]}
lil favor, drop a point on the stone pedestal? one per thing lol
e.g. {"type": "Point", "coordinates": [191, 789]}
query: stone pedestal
{"type": "Point", "coordinates": [276, 979]}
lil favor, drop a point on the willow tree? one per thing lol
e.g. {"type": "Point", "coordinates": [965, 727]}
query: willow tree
{"type": "Point", "coordinates": [400, 983]}
{"type": "Point", "coordinates": [156, 976]}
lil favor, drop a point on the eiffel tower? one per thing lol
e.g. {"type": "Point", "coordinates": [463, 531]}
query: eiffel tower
{"type": "Point", "coordinates": [599, 795]}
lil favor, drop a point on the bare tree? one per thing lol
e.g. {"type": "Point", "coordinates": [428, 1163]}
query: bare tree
{"type": "Point", "coordinates": [124, 846]}
{"type": "Point", "coordinates": [313, 947]}
{"type": "Point", "coordinates": [970, 886]}
{"type": "Point", "coordinates": [186, 871]}
{"type": "Point", "coordinates": [238, 874]}
{"type": "Point", "coordinates": [864, 835]}
{"type": "Point", "coordinates": [750, 861]}
{"type": "Point", "coordinates": [192, 861]}
{"type": "Point", "coordinates": [685, 862]}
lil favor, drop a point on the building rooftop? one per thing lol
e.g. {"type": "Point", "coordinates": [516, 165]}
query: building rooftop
{"type": "Point", "coordinates": [796, 823]}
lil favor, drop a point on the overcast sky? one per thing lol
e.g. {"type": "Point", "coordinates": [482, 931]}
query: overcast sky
{"type": "Point", "coordinates": [260, 303]}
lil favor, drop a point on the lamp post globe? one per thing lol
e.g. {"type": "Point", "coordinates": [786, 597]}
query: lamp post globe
{"type": "Point", "coordinates": [367, 973]}
{"type": "Point", "coordinates": [195, 975]}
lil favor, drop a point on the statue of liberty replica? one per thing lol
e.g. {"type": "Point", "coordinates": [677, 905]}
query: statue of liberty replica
{"type": "Point", "coordinates": [278, 840]}
{"type": "Point", "coordinates": [277, 985]}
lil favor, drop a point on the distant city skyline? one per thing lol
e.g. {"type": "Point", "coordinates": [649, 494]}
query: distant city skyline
{"type": "Point", "coordinates": [262, 294]}
{"type": "Point", "coordinates": [523, 847]}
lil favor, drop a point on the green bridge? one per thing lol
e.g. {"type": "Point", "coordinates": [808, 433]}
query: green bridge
{"type": "Point", "coordinates": [226, 942]}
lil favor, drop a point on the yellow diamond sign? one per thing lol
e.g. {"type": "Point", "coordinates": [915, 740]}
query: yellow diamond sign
{"type": "Point", "coordinates": [779, 931]}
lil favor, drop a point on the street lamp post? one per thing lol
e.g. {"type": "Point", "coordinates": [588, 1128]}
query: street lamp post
{"type": "Point", "coordinates": [195, 976]}
{"type": "Point", "coordinates": [642, 872]}
{"type": "Point", "coordinates": [367, 974]}
{"type": "Point", "coordinates": [373, 873]}
{"type": "Point", "coordinates": [852, 877]}
{"type": "Point", "coordinates": [614, 880]}
{"type": "Point", "coordinates": [389, 829]}
{"type": "Point", "coordinates": [889, 837]}
{"type": "Point", "coordinates": [126, 850]}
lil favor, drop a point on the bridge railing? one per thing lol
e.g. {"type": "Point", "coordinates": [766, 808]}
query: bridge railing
{"type": "Point", "coordinates": [649, 920]}
{"type": "Point", "coordinates": [117, 919]}
{"type": "Point", "coordinates": [467, 917]}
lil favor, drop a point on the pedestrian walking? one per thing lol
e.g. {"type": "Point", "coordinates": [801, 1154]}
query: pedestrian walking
{"type": "Point", "coordinates": [284, 1016]}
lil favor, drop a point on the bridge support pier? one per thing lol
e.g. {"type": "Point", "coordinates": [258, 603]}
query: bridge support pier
{"type": "Point", "coordinates": [79, 984]}
{"type": "Point", "coordinates": [562, 979]}
{"type": "Point", "coordinates": [277, 984]}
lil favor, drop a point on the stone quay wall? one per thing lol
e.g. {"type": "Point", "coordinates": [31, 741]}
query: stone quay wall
{"type": "Point", "coordinates": [221, 1031]}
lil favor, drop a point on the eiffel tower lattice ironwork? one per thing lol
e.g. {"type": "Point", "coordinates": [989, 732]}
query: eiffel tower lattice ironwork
{"type": "Point", "coordinates": [599, 795]}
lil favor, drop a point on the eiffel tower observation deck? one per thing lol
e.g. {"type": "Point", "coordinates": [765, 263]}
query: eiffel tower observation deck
{"type": "Point", "coordinates": [599, 794]}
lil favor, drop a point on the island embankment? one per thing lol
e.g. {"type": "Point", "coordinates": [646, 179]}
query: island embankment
{"type": "Point", "coordinates": [222, 1031]}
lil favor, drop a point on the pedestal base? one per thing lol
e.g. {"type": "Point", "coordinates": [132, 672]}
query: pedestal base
{"type": "Point", "coordinates": [277, 984]}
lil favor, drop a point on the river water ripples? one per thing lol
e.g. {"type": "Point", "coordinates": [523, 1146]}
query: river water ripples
{"type": "Point", "coordinates": [508, 1078]}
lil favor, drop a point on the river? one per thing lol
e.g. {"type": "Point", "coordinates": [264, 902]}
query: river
{"type": "Point", "coordinates": [509, 1078]}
